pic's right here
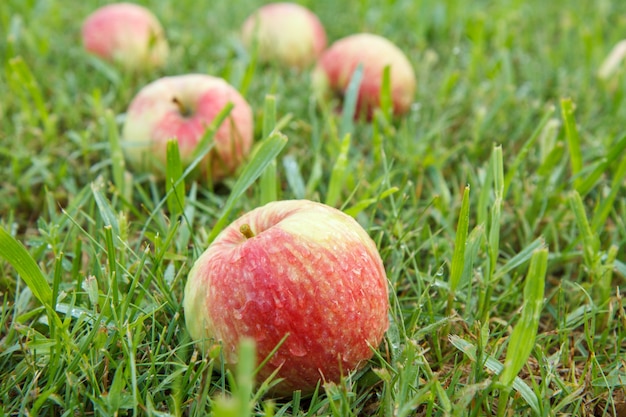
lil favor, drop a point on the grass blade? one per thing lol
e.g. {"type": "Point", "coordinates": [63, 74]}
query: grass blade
{"type": "Point", "coordinates": [573, 139]}
{"type": "Point", "coordinates": [17, 255]}
{"type": "Point", "coordinates": [523, 153]}
{"type": "Point", "coordinates": [590, 180]}
{"type": "Point", "coordinates": [591, 242]}
{"type": "Point", "coordinates": [350, 101]}
{"type": "Point", "coordinates": [338, 174]}
{"type": "Point", "coordinates": [118, 163]}
{"type": "Point", "coordinates": [458, 257]}
{"type": "Point", "coordinates": [267, 151]}
{"type": "Point", "coordinates": [269, 181]}
{"type": "Point", "coordinates": [608, 202]}
{"type": "Point", "coordinates": [294, 176]}
{"type": "Point", "coordinates": [174, 181]}
{"type": "Point", "coordinates": [525, 331]}
{"type": "Point", "coordinates": [493, 234]}
{"type": "Point", "coordinates": [386, 102]}
{"type": "Point", "coordinates": [23, 77]}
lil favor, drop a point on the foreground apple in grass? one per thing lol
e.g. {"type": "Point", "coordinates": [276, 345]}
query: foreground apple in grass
{"type": "Point", "coordinates": [182, 107]}
{"type": "Point", "coordinates": [286, 33]}
{"type": "Point", "coordinates": [298, 269]}
{"type": "Point", "coordinates": [336, 65]}
{"type": "Point", "coordinates": [126, 34]}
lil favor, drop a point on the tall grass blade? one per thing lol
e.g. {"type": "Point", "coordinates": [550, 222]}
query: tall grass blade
{"type": "Point", "coordinates": [267, 151]}
{"type": "Point", "coordinates": [590, 241]}
{"type": "Point", "coordinates": [269, 179]}
{"type": "Point", "coordinates": [174, 180]}
{"type": "Point", "coordinates": [350, 101]}
{"type": "Point", "coordinates": [118, 163]}
{"type": "Point", "coordinates": [524, 333]}
{"type": "Point", "coordinates": [573, 139]}
{"type": "Point", "coordinates": [386, 101]}
{"type": "Point", "coordinates": [458, 256]}
{"type": "Point", "coordinates": [338, 175]}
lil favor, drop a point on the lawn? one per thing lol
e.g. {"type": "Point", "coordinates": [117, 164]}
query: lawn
{"type": "Point", "coordinates": [497, 203]}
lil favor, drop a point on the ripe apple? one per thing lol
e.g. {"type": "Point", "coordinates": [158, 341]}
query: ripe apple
{"type": "Point", "coordinates": [286, 33]}
{"type": "Point", "coordinates": [182, 107]}
{"type": "Point", "coordinates": [336, 65]}
{"type": "Point", "coordinates": [296, 269]}
{"type": "Point", "coordinates": [126, 34]}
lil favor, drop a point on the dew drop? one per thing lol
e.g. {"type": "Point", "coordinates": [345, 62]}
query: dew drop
{"type": "Point", "coordinates": [297, 350]}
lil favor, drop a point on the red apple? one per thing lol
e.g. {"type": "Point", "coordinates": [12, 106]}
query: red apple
{"type": "Point", "coordinates": [126, 34]}
{"type": "Point", "coordinates": [182, 107]}
{"type": "Point", "coordinates": [336, 65]}
{"type": "Point", "coordinates": [295, 269]}
{"type": "Point", "coordinates": [286, 33]}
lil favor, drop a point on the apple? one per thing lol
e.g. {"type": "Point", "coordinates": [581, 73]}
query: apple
{"type": "Point", "coordinates": [298, 270]}
{"type": "Point", "coordinates": [181, 107]}
{"type": "Point", "coordinates": [126, 34]}
{"type": "Point", "coordinates": [336, 65]}
{"type": "Point", "coordinates": [286, 33]}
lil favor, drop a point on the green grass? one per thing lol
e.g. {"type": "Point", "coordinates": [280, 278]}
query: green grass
{"type": "Point", "coordinates": [498, 205]}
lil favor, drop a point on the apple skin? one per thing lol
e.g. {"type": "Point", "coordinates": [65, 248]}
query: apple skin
{"type": "Point", "coordinates": [126, 34]}
{"type": "Point", "coordinates": [287, 33]}
{"type": "Point", "coordinates": [310, 271]}
{"type": "Point", "coordinates": [182, 107]}
{"type": "Point", "coordinates": [336, 65]}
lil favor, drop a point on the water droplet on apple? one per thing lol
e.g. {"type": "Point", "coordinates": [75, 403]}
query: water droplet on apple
{"type": "Point", "coordinates": [297, 350]}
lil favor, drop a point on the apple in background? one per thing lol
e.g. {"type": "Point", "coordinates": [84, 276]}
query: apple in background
{"type": "Point", "coordinates": [126, 34]}
{"type": "Point", "coordinates": [293, 268]}
{"type": "Point", "coordinates": [336, 65]}
{"type": "Point", "coordinates": [286, 33]}
{"type": "Point", "coordinates": [182, 107]}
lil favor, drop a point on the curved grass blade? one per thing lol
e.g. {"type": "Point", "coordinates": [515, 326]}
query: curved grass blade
{"type": "Point", "coordinates": [16, 254]}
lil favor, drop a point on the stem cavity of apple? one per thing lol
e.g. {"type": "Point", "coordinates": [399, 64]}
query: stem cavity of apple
{"type": "Point", "coordinates": [184, 110]}
{"type": "Point", "coordinates": [246, 231]}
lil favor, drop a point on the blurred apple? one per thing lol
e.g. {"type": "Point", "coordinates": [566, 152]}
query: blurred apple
{"type": "Point", "coordinates": [285, 33]}
{"type": "Point", "coordinates": [182, 107]}
{"type": "Point", "coordinates": [298, 270]}
{"type": "Point", "coordinates": [336, 65]}
{"type": "Point", "coordinates": [126, 34]}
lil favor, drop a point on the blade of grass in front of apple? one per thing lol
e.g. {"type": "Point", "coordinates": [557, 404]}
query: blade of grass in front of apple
{"type": "Point", "coordinates": [266, 153]}
{"type": "Point", "coordinates": [338, 175]}
{"type": "Point", "coordinates": [268, 182]}
{"type": "Point", "coordinates": [350, 101]}
{"type": "Point", "coordinates": [118, 164]}
{"type": "Point", "coordinates": [386, 102]}
{"type": "Point", "coordinates": [174, 180]}
{"type": "Point", "coordinates": [205, 144]}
